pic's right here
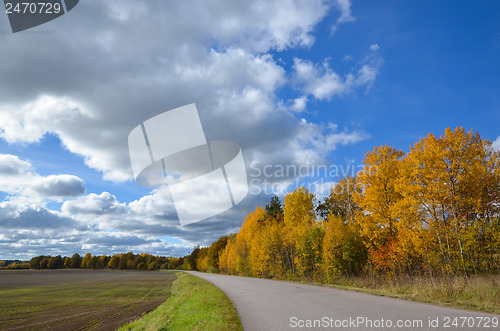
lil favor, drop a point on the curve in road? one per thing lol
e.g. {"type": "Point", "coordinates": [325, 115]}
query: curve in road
{"type": "Point", "coordinates": [265, 304]}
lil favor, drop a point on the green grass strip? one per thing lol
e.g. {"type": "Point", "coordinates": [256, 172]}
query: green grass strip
{"type": "Point", "coordinates": [195, 304]}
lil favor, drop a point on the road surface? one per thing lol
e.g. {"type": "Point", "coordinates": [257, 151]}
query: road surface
{"type": "Point", "coordinates": [265, 304]}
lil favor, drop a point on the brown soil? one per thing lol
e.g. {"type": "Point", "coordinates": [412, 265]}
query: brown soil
{"type": "Point", "coordinates": [87, 313]}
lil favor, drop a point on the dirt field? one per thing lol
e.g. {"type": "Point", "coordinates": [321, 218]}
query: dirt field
{"type": "Point", "coordinates": [78, 299]}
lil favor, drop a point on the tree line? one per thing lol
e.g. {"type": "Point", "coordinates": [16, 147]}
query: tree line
{"type": "Point", "coordinates": [125, 261]}
{"type": "Point", "coordinates": [431, 211]}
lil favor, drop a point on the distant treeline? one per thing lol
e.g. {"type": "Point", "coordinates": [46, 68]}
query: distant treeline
{"type": "Point", "coordinates": [432, 211]}
{"type": "Point", "coordinates": [14, 264]}
{"type": "Point", "coordinates": [125, 261]}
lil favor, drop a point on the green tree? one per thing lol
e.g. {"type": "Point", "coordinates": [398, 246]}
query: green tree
{"type": "Point", "coordinates": [55, 262]}
{"type": "Point", "coordinates": [274, 208]}
{"type": "Point", "coordinates": [76, 261]}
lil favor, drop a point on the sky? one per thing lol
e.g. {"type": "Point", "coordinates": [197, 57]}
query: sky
{"type": "Point", "coordinates": [298, 85]}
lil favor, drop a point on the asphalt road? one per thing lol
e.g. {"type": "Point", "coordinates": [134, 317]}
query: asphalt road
{"type": "Point", "coordinates": [265, 304]}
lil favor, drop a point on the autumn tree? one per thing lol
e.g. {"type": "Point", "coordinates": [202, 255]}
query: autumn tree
{"type": "Point", "coordinates": [377, 200]}
{"type": "Point", "coordinates": [55, 262]}
{"type": "Point", "coordinates": [450, 185]}
{"type": "Point", "coordinates": [214, 252]}
{"type": "Point", "coordinates": [340, 202]}
{"type": "Point", "coordinates": [301, 233]}
{"type": "Point", "coordinates": [44, 263]}
{"type": "Point", "coordinates": [86, 261]}
{"type": "Point", "coordinates": [344, 253]}
{"type": "Point", "coordinates": [67, 262]}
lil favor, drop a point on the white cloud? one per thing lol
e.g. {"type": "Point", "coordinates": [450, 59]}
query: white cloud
{"type": "Point", "coordinates": [344, 6]}
{"type": "Point", "coordinates": [299, 104]}
{"type": "Point", "coordinates": [347, 58]}
{"type": "Point", "coordinates": [27, 123]}
{"type": "Point", "coordinates": [322, 139]}
{"type": "Point", "coordinates": [17, 178]}
{"type": "Point", "coordinates": [209, 53]}
{"type": "Point", "coordinates": [14, 215]}
{"type": "Point", "coordinates": [496, 144]}
{"type": "Point", "coordinates": [93, 204]}
{"type": "Point", "coordinates": [323, 83]}
{"type": "Point", "coordinates": [11, 165]}
{"type": "Point", "coordinates": [261, 25]}
{"type": "Point", "coordinates": [375, 47]}
{"type": "Point", "coordinates": [60, 186]}
{"type": "Point", "coordinates": [90, 85]}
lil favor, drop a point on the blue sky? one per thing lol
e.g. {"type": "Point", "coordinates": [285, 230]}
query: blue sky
{"type": "Point", "coordinates": [292, 82]}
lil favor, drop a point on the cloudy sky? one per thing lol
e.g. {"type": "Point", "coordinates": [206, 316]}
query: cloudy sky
{"type": "Point", "coordinates": [297, 84]}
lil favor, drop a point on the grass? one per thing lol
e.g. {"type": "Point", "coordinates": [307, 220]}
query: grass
{"type": "Point", "coordinates": [481, 293]}
{"type": "Point", "coordinates": [90, 305]}
{"type": "Point", "coordinates": [195, 304]}
{"type": "Point", "coordinates": [476, 292]}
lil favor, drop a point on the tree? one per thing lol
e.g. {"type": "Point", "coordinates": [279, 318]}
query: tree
{"type": "Point", "coordinates": [340, 202]}
{"type": "Point", "coordinates": [35, 262]}
{"type": "Point", "coordinates": [76, 261]}
{"type": "Point", "coordinates": [214, 252]}
{"type": "Point", "coordinates": [123, 262]}
{"type": "Point", "coordinates": [343, 250]}
{"type": "Point", "coordinates": [299, 218]}
{"type": "Point", "coordinates": [55, 262]}
{"type": "Point", "coordinates": [104, 260]}
{"type": "Point", "coordinates": [86, 262]}
{"type": "Point", "coordinates": [378, 199]}
{"type": "Point", "coordinates": [44, 263]}
{"type": "Point", "coordinates": [274, 208]}
{"type": "Point", "coordinates": [191, 258]}
{"type": "Point", "coordinates": [114, 262]}
{"type": "Point", "coordinates": [450, 185]}
{"type": "Point", "coordinates": [379, 195]}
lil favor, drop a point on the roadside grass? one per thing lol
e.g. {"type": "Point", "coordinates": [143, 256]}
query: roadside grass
{"type": "Point", "coordinates": [91, 305]}
{"type": "Point", "coordinates": [475, 292]}
{"type": "Point", "coordinates": [194, 304]}
{"type": "Point", "coordinates": [481, 293]}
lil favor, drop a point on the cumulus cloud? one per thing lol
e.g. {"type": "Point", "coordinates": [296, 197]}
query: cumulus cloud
{"type": "Point", "coordinates": [29, 216]}
{"type": "Point", "coordinates": [18, 178]}
{"type": "Point", "coordinates": [320, 81]}
{"type": "Point", "coordinates": [90, 85]}
{"type": "Point", "coordinates": [11, 165]}
{"type": "Point", "coordinates": [323, 83]}
{"type": "Point", "coordinates": [322, 139]}
{"type": "Point", "coordinates": [299, 104]}
{"type": "Point", "coordinates": [220, 63]}
{"type": "Point", "coordinates": [93, 204]}
{"type": "Point", "coordinates": [60, 186]}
